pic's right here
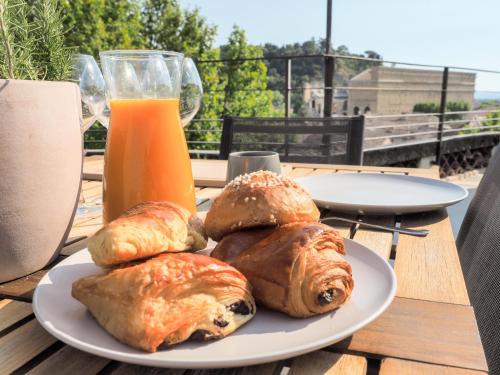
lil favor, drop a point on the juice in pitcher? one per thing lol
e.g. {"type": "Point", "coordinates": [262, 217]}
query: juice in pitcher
{"type": "Point", "coordinates": [146, 157]}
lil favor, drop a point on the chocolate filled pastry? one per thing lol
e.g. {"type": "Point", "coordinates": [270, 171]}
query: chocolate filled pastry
{"type": "Point", "coordinates": [297, 268]}
{"type": "Point", "coordinates": [259, 199]}
{"type": "Point", "coordinates": [145, 230]}
{"type": "Point", "coordinates": [168, 299]}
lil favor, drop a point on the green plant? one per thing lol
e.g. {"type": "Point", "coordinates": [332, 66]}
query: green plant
{"type": "Point", "coordinates": [426, 107]}
{"type": "Point", "coordinates": [32, 41]}
{"type": "Point", "coordinates": [493, 120]}
{"type": "Point", "coordinates": [451, 106]}
{"type": "Point", "coordinates": [456, 106]}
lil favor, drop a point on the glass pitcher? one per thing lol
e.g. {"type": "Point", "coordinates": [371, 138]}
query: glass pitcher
{"type": "Point", "coordinates": [146, 156]}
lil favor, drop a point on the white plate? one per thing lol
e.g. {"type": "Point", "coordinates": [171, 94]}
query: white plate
{"type": "Point", "coordinates": [269, 336]}
{"type": "Point", "coordinates": [381, 193]}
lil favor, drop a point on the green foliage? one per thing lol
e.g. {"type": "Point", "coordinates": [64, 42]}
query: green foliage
{"type": "Point", "coordinates": [451, 106]}
{"type": "Point", "coordinates": [233, 88]}
{"type": "Point", "coordinates": [168, 27]}
{"type": "Point", "coordinates": [50, 54]}
{"type": "Point", "coordinates": [32, 41]}
{"type": "Point", "coordinates": [246, 91]}
{"type": "Point", "coordinates": [201, 129]}
{"type": "Point", "coordinates": [492, 120]}
{"type": "Point", "coordinates": [426, 107]}
{"type": "Point", "coordinates": [456, 106]}
{"type": "Point", "coordinates": [99, 25]}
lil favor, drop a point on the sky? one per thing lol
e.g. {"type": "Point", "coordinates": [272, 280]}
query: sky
{"type": "Point", "coordinates": [463, 33]}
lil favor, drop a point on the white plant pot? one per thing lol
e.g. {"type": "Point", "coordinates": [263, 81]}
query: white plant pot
{"type": "Point", "coordinates": [40, 172]}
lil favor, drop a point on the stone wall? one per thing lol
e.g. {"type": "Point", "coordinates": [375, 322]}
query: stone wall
{"type": "Point", "coordinates": [387, 90]}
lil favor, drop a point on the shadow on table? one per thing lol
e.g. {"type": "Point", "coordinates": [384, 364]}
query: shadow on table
{"type": "Point", "coordinates": [457, 212]}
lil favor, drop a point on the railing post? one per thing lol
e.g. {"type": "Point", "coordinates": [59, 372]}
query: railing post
{"type": "Point", "coordinates": [288, 101]}
{"type": "Point", "coordinates": [329, 75]}
{"type": "Point", "coordinates": [328, 99]}
{"type": "Point", "coordinates": [226, 138]}
{"type": "Point", "coordinates": [442, 115]}
{"type": "Point", "coordinates": [288, 86]}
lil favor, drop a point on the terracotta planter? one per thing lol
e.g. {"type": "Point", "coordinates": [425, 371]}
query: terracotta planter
{"type": "Point", "coordinates": [40, 172]}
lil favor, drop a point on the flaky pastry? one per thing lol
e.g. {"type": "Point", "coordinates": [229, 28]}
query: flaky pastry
{"type": "Point", "coordinates": [168, 299]}
{"type": "Point", "coordinates": [147, 229]}
{"type": "Point", "coordinates": [297, 268]}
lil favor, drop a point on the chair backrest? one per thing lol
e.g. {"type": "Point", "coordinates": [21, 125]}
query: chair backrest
{"type": "Point", "coordinates": [478, 243]}
{"type": "Point", "coordinates": [307, 140]}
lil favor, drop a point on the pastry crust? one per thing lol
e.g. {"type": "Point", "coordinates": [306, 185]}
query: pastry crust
{"type": "Point", "coordinates": [259, 199]}
{"type": "Point", "coordinates": [145, 230]}
{"type": "Point", "coordinates": [297, 268]}
{"type": "Point", "coordinates": [167, 299]}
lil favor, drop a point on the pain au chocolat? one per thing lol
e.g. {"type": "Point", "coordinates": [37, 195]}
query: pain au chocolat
{"type": "Point", "coordinates": [259, 199]}
{"type": "Point", "coordinates": [297, 268]}
{"type": "Point", "coordinates": [168, 299]}
{"type": "Point", "coordinates": [145, 230]}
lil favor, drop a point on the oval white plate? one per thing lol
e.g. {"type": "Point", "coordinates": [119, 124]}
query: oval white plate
{"type": "Point", "coordinates": [269, 336]}
{"type": "Point", "coordinates": [381, 193]}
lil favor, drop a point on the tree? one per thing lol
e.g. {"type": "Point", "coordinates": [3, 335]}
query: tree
{"type": "Point", "coordinates": [167, 26]}
{"type": "Point", "coordinates": [232, 88]}
{"type": "Point", "coordinates": [97, 25]}
{"type": "Point", "coordinates": [246, 91]}
{"type": "Point", "coordinates": [213, 102]}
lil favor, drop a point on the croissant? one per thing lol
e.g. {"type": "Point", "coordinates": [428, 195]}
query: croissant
{"type": "Point", "coordinates": [147, 229]}
{"type": "Point", "coordinates": [168, 299]}
{"type": "Point", "coordinates": [259, 199]}
{"type": "Point", "coordinates": [298, 268]}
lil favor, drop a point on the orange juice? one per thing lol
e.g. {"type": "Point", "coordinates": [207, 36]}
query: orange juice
{"type": "Point", "coordinates": [146, 158]}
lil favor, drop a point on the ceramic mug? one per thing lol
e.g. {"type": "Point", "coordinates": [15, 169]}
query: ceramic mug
{"type": "Point", "coordinates": [251, 161]}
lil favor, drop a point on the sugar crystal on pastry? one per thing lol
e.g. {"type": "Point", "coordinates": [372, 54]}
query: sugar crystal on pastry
{"type": "Point", "coordinates": [275, 200]}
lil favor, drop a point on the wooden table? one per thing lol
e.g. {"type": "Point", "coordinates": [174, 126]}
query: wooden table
{"type": "Point", "coordinates": [430, 327]}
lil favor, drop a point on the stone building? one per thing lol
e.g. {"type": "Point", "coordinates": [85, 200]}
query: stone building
{"type": "Point", "coordinates": [390, 90]}
{"type": "Point", "coordinates": [314, 96]}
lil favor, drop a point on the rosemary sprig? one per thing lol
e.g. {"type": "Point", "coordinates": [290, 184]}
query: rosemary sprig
{"type": "Point", "coordinates": [32, 41]}
{"type": "Point", "coordinates": [6, 40]}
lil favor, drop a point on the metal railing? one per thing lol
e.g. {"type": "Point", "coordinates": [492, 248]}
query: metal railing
{"type": "Point", "coordinates": [381, 129]}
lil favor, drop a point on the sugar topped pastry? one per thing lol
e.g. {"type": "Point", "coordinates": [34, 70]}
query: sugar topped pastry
{"type": "Point", "coordinates": [259, 199]}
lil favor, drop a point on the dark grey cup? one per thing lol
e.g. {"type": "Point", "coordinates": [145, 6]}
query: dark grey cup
{"type": "Point", "coordinates": [251, 161]}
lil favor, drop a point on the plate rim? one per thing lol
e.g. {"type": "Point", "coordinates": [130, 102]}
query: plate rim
{"type": "Point", "coordinates": [382, 208]}
{"type": "Point", "coordinates": [141, 358]}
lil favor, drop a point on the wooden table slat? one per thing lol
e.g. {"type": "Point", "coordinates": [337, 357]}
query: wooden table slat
{"type": "Point", "coordinates": [23, 287]}
{"type": "Point", "coordinates": [424, 331]}
{"type": "Point", "coordinates": [129, 369]}
{"type": "Point", "coordinates": [378, 241]}
{"type": "Point", "coordinates": [12, 312]}
{"type": "Point", "coordinates": [299, 172]}
{"type": "Point", "coordinates": [272, 368]}
{"type": "Point", "coordinates": [74, 247]}
{"type": "Point", "coordinates": [86, 228]}
{"type": "Point", "coordinates": [392, 366]}
{"type": "Point", "coordinates": [428, 268]}
{"type": "Point", "coordinates": [23, 344]}
{"type": "Point", "coordinates": [70, 361]}
{"type": "Point", "coordinates": [327, 363]}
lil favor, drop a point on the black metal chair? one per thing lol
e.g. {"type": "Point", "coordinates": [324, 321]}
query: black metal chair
{"type": "Point", "coordinates": [478, 243]}
{"type": "Point", "coordinates": [307, 140]}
